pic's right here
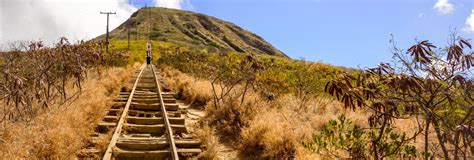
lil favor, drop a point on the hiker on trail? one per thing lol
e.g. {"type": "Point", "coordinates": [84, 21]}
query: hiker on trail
{"type": "Point", "coordinates": [148, 53]}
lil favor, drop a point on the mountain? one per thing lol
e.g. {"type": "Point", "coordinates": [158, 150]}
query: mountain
{"type": "Point", "coordinates": [193, 30]}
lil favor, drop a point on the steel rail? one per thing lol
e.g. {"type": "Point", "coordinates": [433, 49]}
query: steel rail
{"type": "Point", "coordinates": [118, 128]}
{"type": "Point", "coordinates": [173, 150]}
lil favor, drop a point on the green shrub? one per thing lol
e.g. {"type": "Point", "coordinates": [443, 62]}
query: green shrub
{"type": "Point", "coordinates": [342, 135]}
{"type": "Point", "coordinates": [278, 75]}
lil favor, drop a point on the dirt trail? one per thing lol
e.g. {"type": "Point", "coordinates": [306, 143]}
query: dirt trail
{"type": "Point", "coordinates": [193, 115]}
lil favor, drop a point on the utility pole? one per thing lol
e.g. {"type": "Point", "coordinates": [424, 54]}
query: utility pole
{"type": "Point", "coordinates": [128, 30]}
{"type": "Point", "coordinates": [149, 22]}
{"type": "Point", "coordinates": [137, 36]}
{"type": "Point", "coordinates": [107, 31]}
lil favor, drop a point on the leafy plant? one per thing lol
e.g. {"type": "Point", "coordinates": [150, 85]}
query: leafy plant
{"type": "Point", "coordinates": [338, 135]}
{"type": "Point", "coordinates": [342, 135]}
{"type": "Point", "coordinates": [421, 82]}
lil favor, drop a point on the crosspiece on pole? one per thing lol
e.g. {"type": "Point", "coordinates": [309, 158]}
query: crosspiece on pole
{"type": "Point", "coordinates": [107, 31]}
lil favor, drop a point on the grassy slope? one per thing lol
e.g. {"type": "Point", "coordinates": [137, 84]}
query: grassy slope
{"type": "Point", "coordinates": [191, 30]}
{"type": "Point", "coordinates": [137, 50]}
{"type": "Point", "coordinates": [278, 76]}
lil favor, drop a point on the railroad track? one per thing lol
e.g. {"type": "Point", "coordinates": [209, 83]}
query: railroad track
{"type": "Point", "coordinates": [144, 123]}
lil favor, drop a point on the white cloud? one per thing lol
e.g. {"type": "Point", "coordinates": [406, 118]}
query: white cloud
{"type": "Point", "coordinates": [469, 28]}
{"type": "Point", "coordinates": [443, 7]}
{"type": "Point", "coordinates": [175, 4]}
{"type": "Point", "coordinates": [48, 20]}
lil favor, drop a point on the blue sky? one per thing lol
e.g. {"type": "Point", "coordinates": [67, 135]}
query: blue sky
{"type": "Point", "coordinates": [341, 32]}
{"type": "Point", "coordinates": [141, 3]}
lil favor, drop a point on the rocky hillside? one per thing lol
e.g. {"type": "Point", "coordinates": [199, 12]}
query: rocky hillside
{"type": "Point", "coordinates": [193, 30]}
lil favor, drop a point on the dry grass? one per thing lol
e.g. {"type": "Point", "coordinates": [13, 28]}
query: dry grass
{"type": "Point", "coordinates": [258, 128]}
{"type": "Point", "coordinates": [269, 137]}
{"type": "Point", "coordinates": [195, 91]}
{"type": "Point", "coordinates": [262, 129]}
{"type": "Point", "coordinates": [230, 117]}
{"type": "Point", "coordinates": [60, 132]}
{"type": "Point", "coordinates": [278, 130]}
{"type": "Point", "coordinates": [317, 112]}
{"type": "Point", "coordinates": [210, 142]}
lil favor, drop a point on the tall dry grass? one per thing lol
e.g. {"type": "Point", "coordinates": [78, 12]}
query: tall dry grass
{"type": "Point", "coordinates": [195, 91]}
{"type": "Point", "coordinates": [263, 129]}
{"type": "Point", "coordinates": [258, 128]}
{"type": "Point", "coordinates": [210, 141]}
{"type": "Point", "coordinates": [269, 136]}
{"type": "Point", "coordinates": [61, 131]}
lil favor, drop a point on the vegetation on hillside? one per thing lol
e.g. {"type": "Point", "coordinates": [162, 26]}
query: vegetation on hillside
{"type": "Point", "coordinates": [272, 75]}
{"type": "Point", "coordinates": [137, 49]}
{"type": "Point", "coordinates": [192, 30]}
{"type": "Point", "coordinates": [258, 128]}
